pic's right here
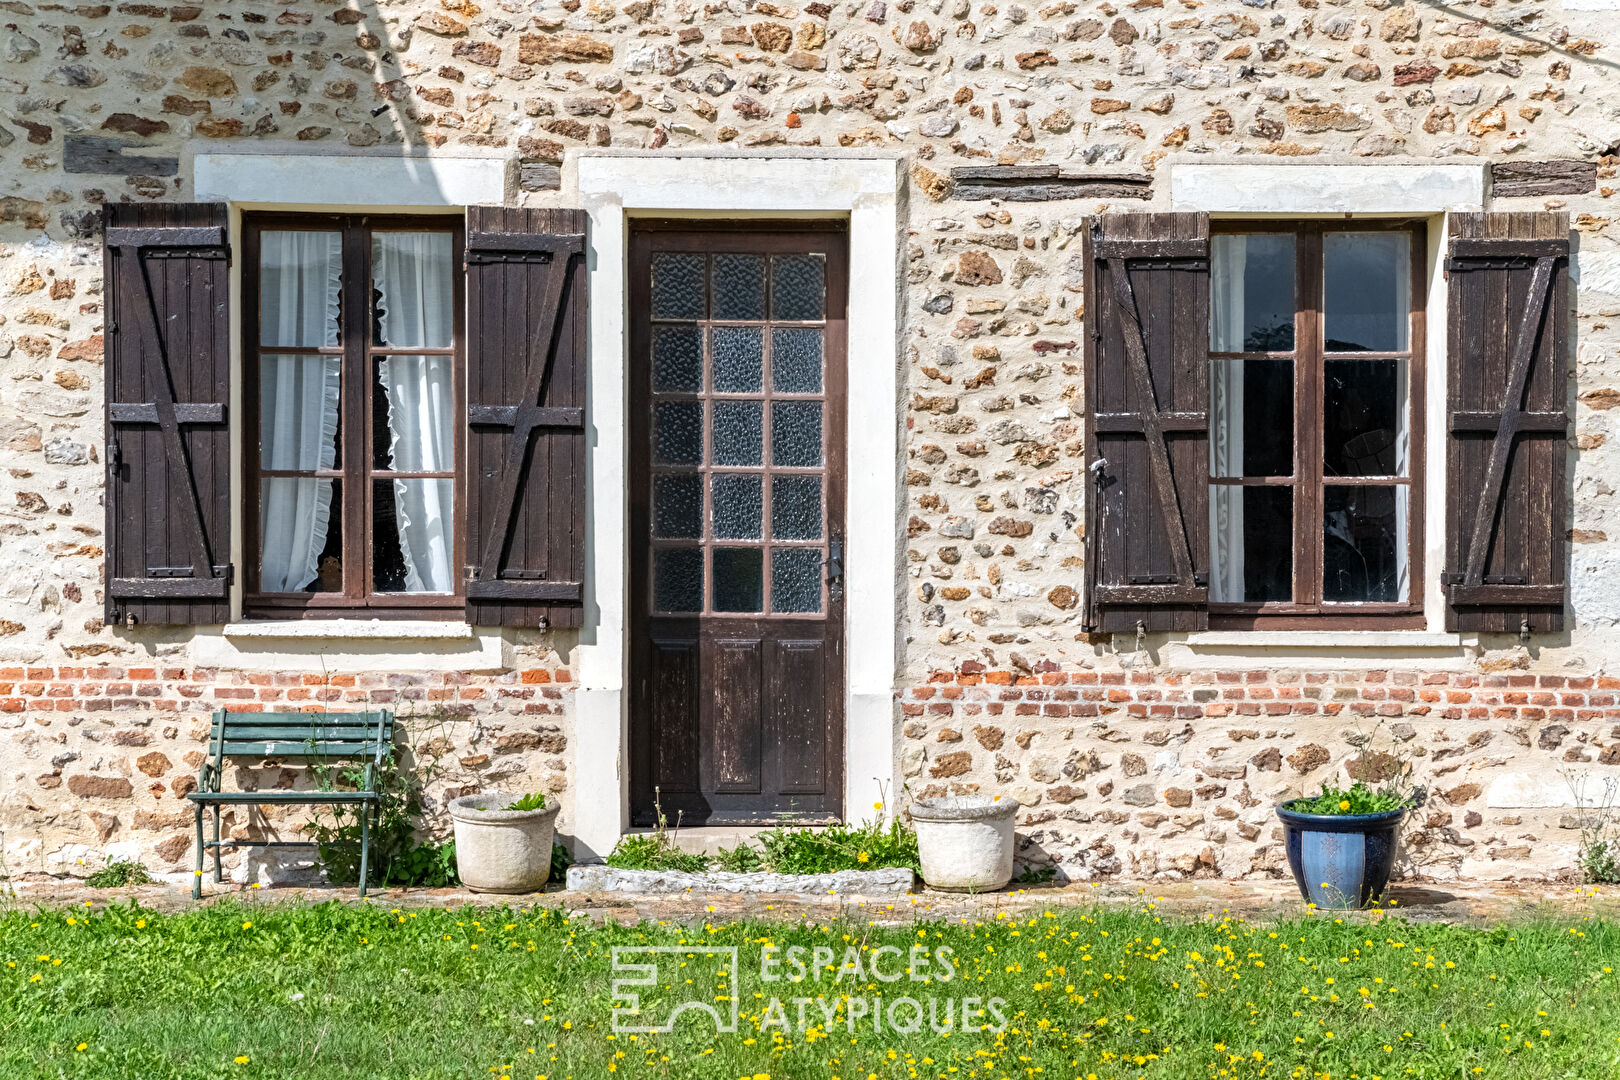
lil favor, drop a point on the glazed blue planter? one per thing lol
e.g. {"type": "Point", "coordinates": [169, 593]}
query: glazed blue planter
{"type": "Point", "coordinates": [1340, 860]}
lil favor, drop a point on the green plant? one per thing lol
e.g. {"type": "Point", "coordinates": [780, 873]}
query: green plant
{"type": "Point", "coordinates": [742, 859]}
{"type": "Point", "coordinates": [532, 801]}
{"type": "Point", "coordinates": [1035, 875]}
{"type": "Point", "coordinates": [117, 873]}
{"type": "Point", "coordinates": [560, 862]}
{"type": "Point", "coordinates": [1357, 799]}
{"type": "Point", "coordinates": [1599, 853]}
{"type": "Point", "coordinates": [655, 850]}
{"type": "Point", "coordinates": [868, 846]}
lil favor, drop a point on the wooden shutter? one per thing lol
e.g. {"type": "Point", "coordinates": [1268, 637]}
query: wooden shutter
{"type": "Point", "coordinates": [526, 311]}
{"type": "Point", "coordinates": [1147, 418]}
{"type": "Point", "coordinates": [1507, 315]}
{"type": "Point", "coordinates": [166, 268]}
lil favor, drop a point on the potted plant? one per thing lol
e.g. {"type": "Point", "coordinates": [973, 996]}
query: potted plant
{"type": "Point", "coordinates": [965, 842]}
{"type": "Point", "coordinates": [503, 842]}
{"type": "Point", "coordinates": [1341, 843]}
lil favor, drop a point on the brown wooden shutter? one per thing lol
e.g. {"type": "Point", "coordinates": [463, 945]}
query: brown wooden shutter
{"type": "Point", "coordinates": [166, 272]}
{"type": "Point", "coordinates": [1507, 315]}
{"type": "Point", "coordinates": [526, 312]}
{"type": "Point", "coordinates": [1147, 419]}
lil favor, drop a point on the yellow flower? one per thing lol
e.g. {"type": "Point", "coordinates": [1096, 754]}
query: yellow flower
{"type": "Point", "coordinates": [82, 1046]}
{"type": "Point", "coordinates": [1344, 804]}
{"type": "Point", "coordinates": [241, 1059]}
{"type": "Point", "coordinates": [247, 926]}
{"type": "Point", "coordinates": [863, 857]}
{"type": "Point", "coordinates": [140, 924]}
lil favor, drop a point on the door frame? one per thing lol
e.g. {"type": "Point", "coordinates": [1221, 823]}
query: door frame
{"type": "Point", "coordinates": [868, 190]}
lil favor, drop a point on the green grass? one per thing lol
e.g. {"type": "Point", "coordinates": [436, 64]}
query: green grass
{"type": "Point", "coordinates": [341, 991]}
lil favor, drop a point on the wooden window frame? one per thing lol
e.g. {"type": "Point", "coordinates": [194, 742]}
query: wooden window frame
{"type": "Point", "coordinates": [1307, 611]}
{"type": "Point", "coordinates": [355, 470]}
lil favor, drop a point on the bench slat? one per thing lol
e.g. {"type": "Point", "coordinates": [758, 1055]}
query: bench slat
{"type": "Point", "coordinates": [282, 796]}
{"type": "Point", "coordinates": [249, 732]}
{"type": "Point", "coordinates": [292, 748]}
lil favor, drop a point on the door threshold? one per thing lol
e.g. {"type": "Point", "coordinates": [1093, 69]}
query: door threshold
{"type": "Point", "coordinates": [709, 839]}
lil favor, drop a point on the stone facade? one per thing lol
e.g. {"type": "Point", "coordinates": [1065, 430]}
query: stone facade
{"type": "Point", "coordinates": [1135, 758]}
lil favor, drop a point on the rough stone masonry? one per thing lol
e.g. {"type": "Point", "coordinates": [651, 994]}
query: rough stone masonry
{"type": "Point", "coordinates": [1133, 758]}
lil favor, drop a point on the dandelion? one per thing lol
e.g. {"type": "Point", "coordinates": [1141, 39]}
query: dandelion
{"type": "Point", "coordinates": [241, 1059]}
{"type": "Point", "coordinates": [82, 1047]}
{"type": "Point", "coordinates": [863, 857]}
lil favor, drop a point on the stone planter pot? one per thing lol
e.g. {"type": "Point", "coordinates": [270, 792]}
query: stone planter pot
{"type": "Point", "coordinates": [965, 841]}
{"type": "Point", "coordinates": [502, 851]}
{"type": "Point", "coordinates": [1340, 860]}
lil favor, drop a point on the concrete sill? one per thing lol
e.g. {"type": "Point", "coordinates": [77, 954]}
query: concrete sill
{"type": "Point", "coordinates": [352, 630]}
{"type": "Point", "coordinates": [1327, 640]}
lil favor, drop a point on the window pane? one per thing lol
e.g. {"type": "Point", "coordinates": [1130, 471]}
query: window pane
{"type": "Point", "coordinates": [1251, 543]}
{"type": "Point", "coordinates": [678, 579]}
{"type": "Point", "coordinates": [412, 535]}
{"type": "Point", "coordinates": [678, 506]}
{"type": "Point", "coordinates": [799, 287]}
{"type": "Point", "coordinates": [796, 433]}
{"type": "Point", "coordinates": [677, 359]}
{"type": "Point", "coordinates": [739, 286]}
{"type": "Point", "coordinates": [796, 579]}
{"type": "Point", "coordinates": [739, 579]}
{"type": "Point", "coordinates": [300, 282]}
{"type": "Point", "coordinates": [1367, 291]}
{"type": "Point", "coordinates": [1364, 545]}
{"type": "Point", "coordinates": [1252, 402]}
{"type": "Point", "coordinates": [415, 283]}
{"type": "Point", "coordinates": [739, 359]}
{"type": "Point", "coordinates": [796, 507]}
{"type": "Point", "coordinates": [298, 411]}
{"type": "Point", "coordinates": [413, 414]}
{"type": "Point", "coordinates": [1251, 292]}
{"type": "Point", "coordinates": [677, 286]}
{"type": "Point", "coordinates": [796, 360]}
{"type": "Point", "coordinates": [678, 433]}
{"type": "Point", "coordinates": [1365, 431]}
{"type": "Point", "coordinates": [739, 505]}
{"type": "Point", "coordinates": [739, 438]}
{"type": "Point", "coordinates": [300, 535]}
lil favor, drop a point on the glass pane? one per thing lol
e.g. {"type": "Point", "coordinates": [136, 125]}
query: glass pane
{"type": "Point", "coordinates": [798, 287]}
{"type": "Point", "coordinates": [1364, 418]}
{"type": "Point", "coordinates": [414, 280]}
{"type": "Point", "coordinates": [796, 433]}
{"type": "Point", "coordinates": [739, 579]}
{"type": "Point", "coordinates": [1253, 406]}
{"type": "Point", "coordinates": [300, 535]}
{"type": "Point", "coordinates": [678, 433]}
{"type": "Point", "coordinates": [1364, 545]}
{"type": "Point", "coordinates": [1251, 292]}
{"type": "Point", "coordinates": [738, 432]}
{"type": "Point", "coordinates": [298, 411]}
{"type": "Point", "coordinates": [796, 579]}
{"type": "Point", "coordinates": [412, 535]}
{"type": "Point", "coordinates": [678, 506]}
{"type": "Point", "coordinates": [1251, 542]}
{"type": "Point", "coordinates": [739, 505]}
{"type": "Point", "coordinates": [1367, 291]}
{"type": "Point", "coordinates": [413, 414]}
{"type": "Point", "coordinates": [677, 285]}
{"type": "Point", "coordinates": [739, 359]}
{"type": "Point", "coordinates": [678, 579]}
{"type": "Point", "coordinates": [677, 358]}
{"type": "Point", "coordinates": [300, 282]}
{"type": "Point", "coordinates": [796, 507]}
{"type": "Point", "coordinates": [796, 360]}
{"type": "Point", "coordinates": [739, 287]}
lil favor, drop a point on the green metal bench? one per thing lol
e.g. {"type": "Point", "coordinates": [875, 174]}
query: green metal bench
{"type": "Point", "coordinates": [364, 736]}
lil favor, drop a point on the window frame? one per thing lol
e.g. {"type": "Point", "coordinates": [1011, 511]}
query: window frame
{"type": "Point", "coordinates": [355, 470]}
{"type": "Point", "coordinates": [1307, 611]}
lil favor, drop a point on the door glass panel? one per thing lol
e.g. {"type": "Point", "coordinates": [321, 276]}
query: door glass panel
{"type": "Point", "coordinates": [678, 506]}
{"type": "Point", "coordinates": [678, 579]}
{"type": "Point", "coordinates": [413, 274]}
{"type": "Point", "coordinates": [1364, 544]}
{"type": "Point", "coordinates": [738, 435]}
{"type": "Point", "coordinates": [796, 433]}
{"type": "Point", "coordinates": [799, 287]}
{"type": "Point", "coordinates": [1365, 431]}
{"type": "Point", "coordinates": [300, 285]}
{"type": "Point", "coordinates": [677, 359]}
{"type": "Point", "coordinates": [299, 418]}
{"type": "Point", "coordinates": [412, 535]}
{"type": "Point", "coordinates": [796, 507]}
{"type": "Point", "coordinates": [1253, 406]}
{"type": "Point", "coordinates": [1251, 292]}
{"type": "Point", "coordinates": [677, 286]}
{"type": "Point", "coordinates": [796, 358]}
{"type": "Point", "coordinates": [739, 580]}
{"type": "Point", "coordinates": [1251, 541]}
{"type": "Point", "coordinates": [300, 535]}
{"type": "Point", "coordinates": [1367, 291]}
{"type": "Point", "coordinates": [739, 505]}
{"type": "Point", "coordinates": [739, 359]}
{"type": "Point", "coordinates": [796, 580]}
{"type": "Point", "coordinates": [739, 286]}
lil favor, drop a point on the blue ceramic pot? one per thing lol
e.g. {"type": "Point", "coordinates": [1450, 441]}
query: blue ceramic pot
{"type": "Point", "coordinates": [1340, 860]}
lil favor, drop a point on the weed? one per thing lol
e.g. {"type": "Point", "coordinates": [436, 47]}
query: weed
{"type": "Point", "coordinates": [655, 850]}
{"type": "Point", "coordinates": [1599, 852]}
{"type": "Point", "coordinates": [560, 862]}
{"type": "Point", "coordinates": [118, 873]}
{"type": "Point", "coordinates": [742, 859]}
{"type": "Point", "coordinates": [532, 801]}
{"type": "Point", "coordinates": [1035, 875]}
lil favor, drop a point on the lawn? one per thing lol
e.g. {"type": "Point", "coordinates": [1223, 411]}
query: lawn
{"type": "Point", "coordinates": [337, 991]}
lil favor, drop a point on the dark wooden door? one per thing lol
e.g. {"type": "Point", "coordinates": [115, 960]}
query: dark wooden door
{"type": "Point", "coordinates": [736, 517]}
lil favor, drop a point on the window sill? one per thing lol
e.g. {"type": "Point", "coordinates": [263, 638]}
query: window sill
{"type": "Point", "coordinates": [1327, 640]}
{"type": "Point", "coordinates": [350, 646]}
{"type": "Point", "coordinates": [351, 629]}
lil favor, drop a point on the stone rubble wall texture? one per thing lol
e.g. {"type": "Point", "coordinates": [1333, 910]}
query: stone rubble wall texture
{"type": "Point", "coordinates": [1133, 760]}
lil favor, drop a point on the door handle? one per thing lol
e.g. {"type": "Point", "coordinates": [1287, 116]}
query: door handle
{"type": "Point", "coordinates": [835, 568]}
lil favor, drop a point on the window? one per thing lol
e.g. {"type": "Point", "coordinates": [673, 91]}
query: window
{"type": "Point", "coordinates": [1316, 442]}
{"type": "Point", "coordinates": [353, 376]}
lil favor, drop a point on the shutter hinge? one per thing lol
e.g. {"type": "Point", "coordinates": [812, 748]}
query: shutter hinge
{"type": "Point", "coordinates": [227, 571]}
{"type": "Point", "coordinates": [510, 574]}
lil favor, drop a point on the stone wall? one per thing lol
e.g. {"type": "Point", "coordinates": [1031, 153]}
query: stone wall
{"type": "Point", "coordinates": [109, 101]}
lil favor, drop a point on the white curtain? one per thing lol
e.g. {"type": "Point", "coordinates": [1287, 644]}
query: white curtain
{"type": "Point", "coordinates": [1226, 329]}
{"type": "Point", "coordinates": [412, 272]}
{"type": "Point", "coordinates": [299, 282]}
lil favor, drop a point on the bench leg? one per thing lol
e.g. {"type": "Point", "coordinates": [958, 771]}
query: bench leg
{"type": "Point", "coordinates": [365, 846]}
{"type": "Point", "coordinates": [196, 879]}
{"type": "Point", "coordinates": [219, 872]}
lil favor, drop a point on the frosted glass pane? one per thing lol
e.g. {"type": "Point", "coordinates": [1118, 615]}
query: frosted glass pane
{"type": "Point", "coordinates": [796, 579]}
{"type": "Point", "coordinates": [739, 286]}
{"type": "Point", "coordinates": [738, 358]}
{"type": "Point", "coordinates": [739, 505]}
{"type": "Point", "coordinates": [677, 285]}
{"type": "Point", "coordinates": [796, 433]}
{"type": "Point", "coordinates": [678, 579]}
{"type": "Point", "coordinates": [678, 506]}
{"type": "Point", "coordinates": [739, 579]}
{"type": "Point", "coordinates": [738, 432]}
{"type": "Point", "coordinates": [798, 287]}
{"type": "Point", "coordinates": [796, 353]}
{"type": "Point", "coordinates": [678, 433]}
{"type": "Point", "coordinates": [677, 359]}
{"type": "Point", "coordinates": [796, 507]}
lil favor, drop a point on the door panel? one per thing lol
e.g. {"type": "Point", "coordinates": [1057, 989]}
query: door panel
{"type": "Point", "coordinates": [737, 498]}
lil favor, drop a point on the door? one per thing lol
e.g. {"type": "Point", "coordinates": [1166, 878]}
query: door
{"type": "Point", "coordinates": [736, 516]}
